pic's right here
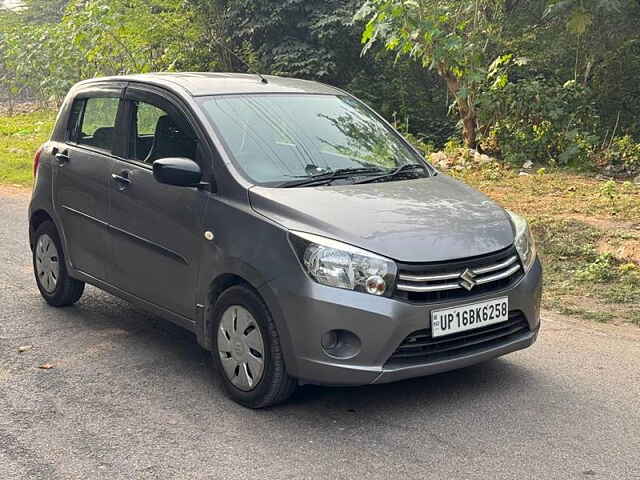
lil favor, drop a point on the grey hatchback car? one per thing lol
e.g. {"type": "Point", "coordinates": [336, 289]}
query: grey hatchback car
{"type": "Point", "coordinates": [286, 224]}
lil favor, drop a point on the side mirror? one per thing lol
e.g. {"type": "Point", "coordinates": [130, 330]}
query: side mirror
{"type": "Point", "coordinates": [181, 172]}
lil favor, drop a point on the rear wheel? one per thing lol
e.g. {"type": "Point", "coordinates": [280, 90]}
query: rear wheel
{"type": "Point", "coordinates": [247, 350]}
{"type": "Point", "coordinates": [54, 283]}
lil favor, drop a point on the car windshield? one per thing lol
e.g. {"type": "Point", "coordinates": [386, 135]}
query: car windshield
{"type": "Point", "coordinates": [276, 138]}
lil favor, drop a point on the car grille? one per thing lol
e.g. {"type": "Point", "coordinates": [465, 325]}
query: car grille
{"type": "Point", "coordinates": [420, 347]}
{"type": "Point", "coordinates": [432, 282]}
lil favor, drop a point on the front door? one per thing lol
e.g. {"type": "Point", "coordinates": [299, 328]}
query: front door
{"type": "Point", "coordinates": [82, 169]}
{"type": "Point", "coordinates": [155, 228]}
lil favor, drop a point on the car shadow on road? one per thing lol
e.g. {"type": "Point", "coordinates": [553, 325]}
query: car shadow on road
{"type": "Point", "coordinates": [490, 380]}
{"type": "Point", "coordinates": [497, 383]}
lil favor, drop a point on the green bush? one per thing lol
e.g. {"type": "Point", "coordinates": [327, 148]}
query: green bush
{"type": "Point", "coordinates": [622, 156]}
{"type": "Point", "coordinates": [452, 146]}
{"type": "Point", "coordinates": [540, 120]}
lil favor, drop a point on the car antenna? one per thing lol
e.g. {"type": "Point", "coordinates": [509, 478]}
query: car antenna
{"type": "Point", "coordinates": [249, 67]}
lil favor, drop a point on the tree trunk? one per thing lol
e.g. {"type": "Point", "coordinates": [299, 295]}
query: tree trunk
{"type": "Point", "coordinates": [469, 119]}
{"type": "Point", "coordinates": [466, 111]}
{"type": "Point", "coordinates": [469, 127]}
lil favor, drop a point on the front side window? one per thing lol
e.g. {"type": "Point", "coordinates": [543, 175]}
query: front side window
{"type": "Point", "coordinates": [97, 125]}
{"type": "Point", "coordinates": [159, 134]}
{"type": "Point", "coordinates": [277, 138]}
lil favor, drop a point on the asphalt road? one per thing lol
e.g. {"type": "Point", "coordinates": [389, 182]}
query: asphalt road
{"type": "Point", "coordinates": [132, 397]}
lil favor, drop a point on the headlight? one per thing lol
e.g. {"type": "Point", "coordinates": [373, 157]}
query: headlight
{"type": "Point", "coordinates": [337, 264]}
{"type": "Point", "coordinates": [525, 245]}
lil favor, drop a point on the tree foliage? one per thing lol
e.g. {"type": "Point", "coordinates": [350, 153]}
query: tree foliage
{"type": "Point", "coordinates": [547, 80]}
{"type": "Point", "coordinates": [44, 54]}
{"type": "Point", "coordinates": [450, 37]}
{"type": "Point", "coordinates": [123, 36]}
{"type": "Point", "coordinates": [304, 38]}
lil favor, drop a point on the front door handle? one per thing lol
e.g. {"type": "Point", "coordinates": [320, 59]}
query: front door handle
{"type": "Point", "coordinates": [122, 180]}
{"type": "Point", "coordinates": [62, 158]}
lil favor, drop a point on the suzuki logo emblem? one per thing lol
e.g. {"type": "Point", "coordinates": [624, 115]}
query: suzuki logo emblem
{"type": "Point", "coordinates": [468, 279]}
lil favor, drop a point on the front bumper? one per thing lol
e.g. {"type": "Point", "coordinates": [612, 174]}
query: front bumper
{"type": "Point", "coordinates": [308, 310]}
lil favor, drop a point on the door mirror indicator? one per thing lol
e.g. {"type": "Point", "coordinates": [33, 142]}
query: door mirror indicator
{"type": "Point", "coordinates": [181, 172]}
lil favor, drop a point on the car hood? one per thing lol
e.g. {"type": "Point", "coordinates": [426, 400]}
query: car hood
{"type": "Point", "coordinates": [424, 220]}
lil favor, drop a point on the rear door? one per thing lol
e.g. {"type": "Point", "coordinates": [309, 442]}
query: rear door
{"type": "Point", "coordinates": [155, 228]}
{"type": "Point", "coordinates": [81, 178]}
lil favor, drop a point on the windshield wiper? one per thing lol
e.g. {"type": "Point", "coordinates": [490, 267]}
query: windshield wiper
{"type": "Point", "coordinates": [402, 170]}
{"type": "Point", "coordinates": [328, 177]}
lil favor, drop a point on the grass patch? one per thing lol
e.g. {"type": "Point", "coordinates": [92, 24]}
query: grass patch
{"type": "Point", "coordinates": [598, 316]}
{"type": "Point", "coordinates": [20, 137]}
{"type": "Point", "coordinates": [558, 193]}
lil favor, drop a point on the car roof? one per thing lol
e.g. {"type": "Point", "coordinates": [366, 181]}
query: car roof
{"type": "Point", "coordinates": [201, 84]}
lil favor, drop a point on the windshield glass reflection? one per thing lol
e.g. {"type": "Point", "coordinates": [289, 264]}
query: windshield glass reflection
{"type": "Point", "coordinates": [275, 138]}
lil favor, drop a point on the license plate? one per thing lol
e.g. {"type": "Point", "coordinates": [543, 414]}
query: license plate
{"type": "Point", "coordinates": [469, 317]}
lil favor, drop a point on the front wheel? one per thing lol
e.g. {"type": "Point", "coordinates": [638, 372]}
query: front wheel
{"type": "Point", "coordinates": [54, 283]}
{"type": "Point", "coordinates": [247, 350]}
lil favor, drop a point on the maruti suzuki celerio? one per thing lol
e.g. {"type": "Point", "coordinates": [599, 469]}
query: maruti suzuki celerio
{"type": "Point", "coordinates": [288, 225]}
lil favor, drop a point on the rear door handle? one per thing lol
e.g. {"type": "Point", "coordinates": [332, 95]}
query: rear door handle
{"type": "Point", "coordinates": [62, 158]}
{"type": "Point", "coordinates": [122, 180]}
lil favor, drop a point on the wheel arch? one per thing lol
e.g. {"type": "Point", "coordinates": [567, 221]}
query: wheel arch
{"type": "Point", "coordinates": [217, 287]}
{"type": "Point", "coordinates": [36, 219]}
{"type": "Point", "coordinates": [223, 282]}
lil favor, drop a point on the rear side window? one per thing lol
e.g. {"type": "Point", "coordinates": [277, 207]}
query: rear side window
{"type": "Point", "coordinates": [97, 123]}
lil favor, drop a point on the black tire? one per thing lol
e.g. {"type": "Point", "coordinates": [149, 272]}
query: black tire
{"type": "Point", "coordinates": [276, 385]}
{"type": "Point", "coordinates": [67, 290]}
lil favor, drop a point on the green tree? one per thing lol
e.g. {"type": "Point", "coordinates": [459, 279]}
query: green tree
{"type": "Point", "coordinates": [44, 53]}
{"type": "Point", "coordinates": [312, 39]}
{"type": "Point", "coordinates": [454, 38]}
{"type": "Point", "coordinates": [605, 54]}
{"type": "Point", "coordinates": [33, 58]}
{"type": "Point", "coordinates": [125, 36]}
{"type": "Point", "coordinates": [213, 49]}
